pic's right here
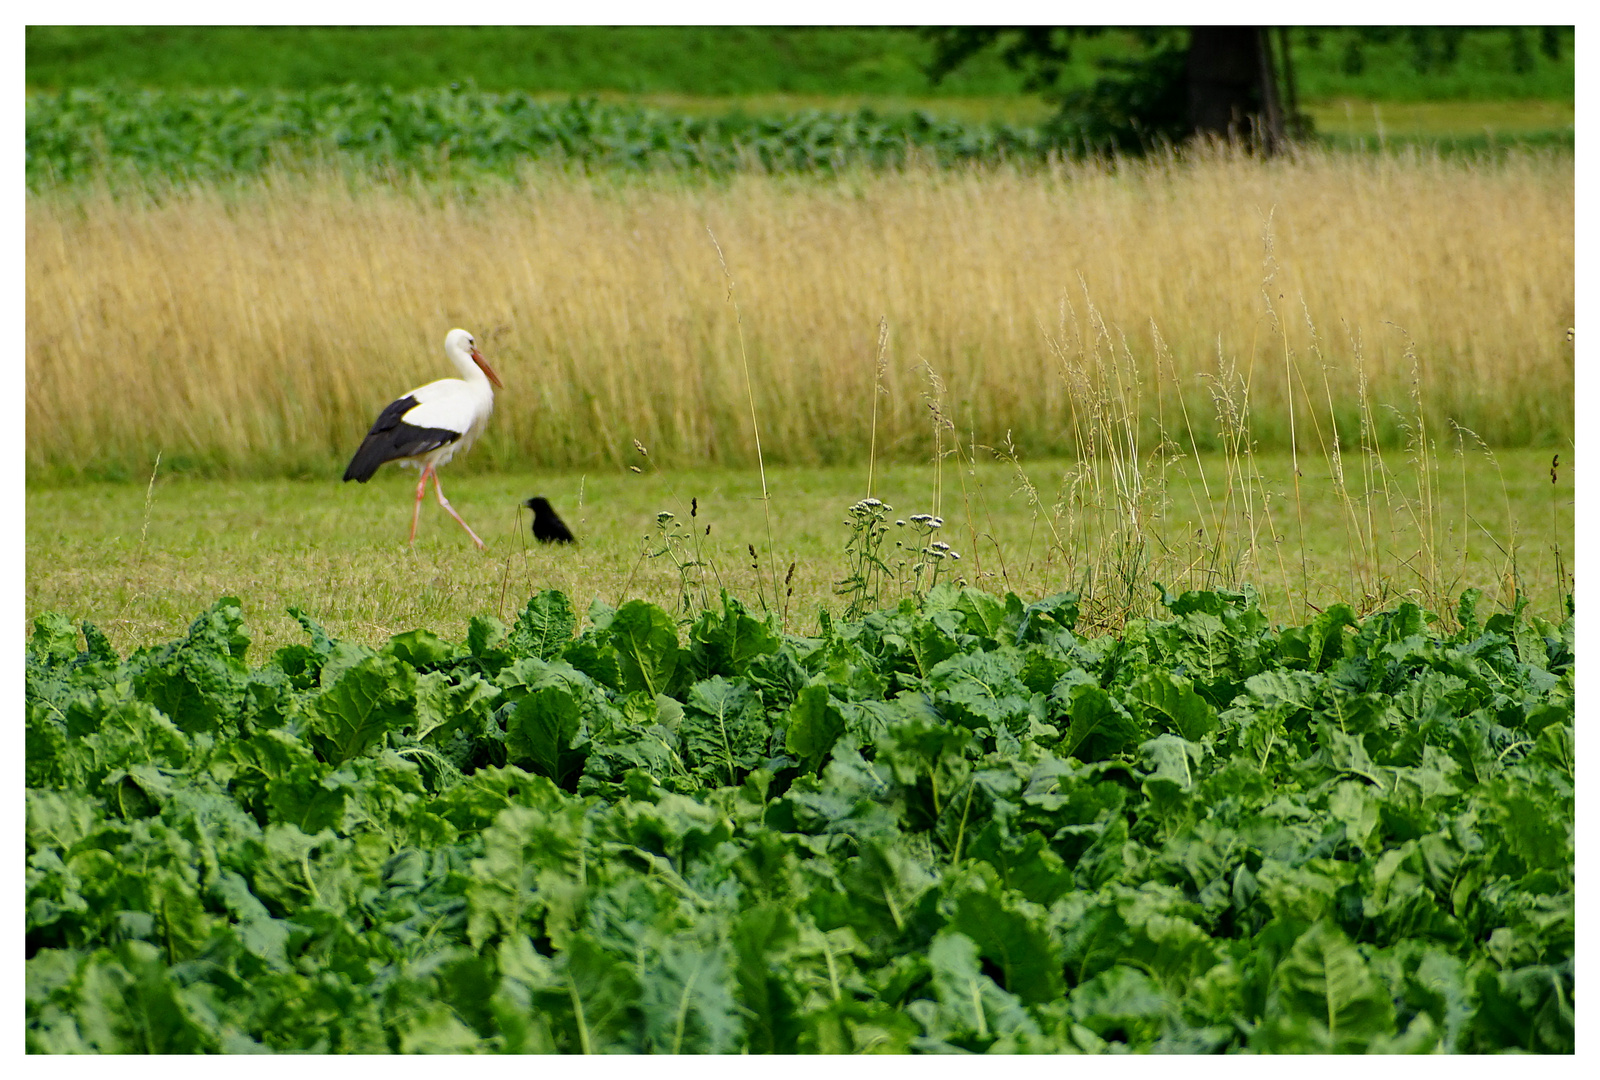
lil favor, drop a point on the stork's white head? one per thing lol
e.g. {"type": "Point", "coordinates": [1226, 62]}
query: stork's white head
{"type": "Point", "coordinates": [460, 347]}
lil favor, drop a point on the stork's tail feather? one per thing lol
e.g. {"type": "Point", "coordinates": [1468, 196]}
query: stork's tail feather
{"type": "Point", "coordinates": [366, 462]}
{"type": "Point", "coordinates": [394, 442]}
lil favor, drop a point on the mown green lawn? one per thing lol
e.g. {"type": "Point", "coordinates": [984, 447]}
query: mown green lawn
{"type": "Point", "coordinates": [140, 569]}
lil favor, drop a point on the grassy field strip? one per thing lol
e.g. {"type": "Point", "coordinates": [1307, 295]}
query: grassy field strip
{"type": "Point", "coordinates": [140, 571]}
{"type": "Point", "coordinates": [257, 329]}
{"type": "Point", "coordinates": [734, 60]}
{"type": "Point", "coordinates": [1439, 118]}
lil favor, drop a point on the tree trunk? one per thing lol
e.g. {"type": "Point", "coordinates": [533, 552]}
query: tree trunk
{"type": "Point", "coordinates": [1233, 87]}
{"type": "Point", "coordinates": [1294, 123]}
{"type": "Point", "coordinates": [1271, 128]}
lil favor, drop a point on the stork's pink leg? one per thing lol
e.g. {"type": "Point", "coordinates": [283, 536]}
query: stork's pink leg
{"type": "Point", "coordinates": [444, 502]}
{"type": "Point", "coordinates": [422, 489]}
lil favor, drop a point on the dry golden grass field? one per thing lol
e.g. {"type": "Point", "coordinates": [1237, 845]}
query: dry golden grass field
{"type": "Point", "coordinates": [255, 329]}
{"type": "Point", "coordinates": [1335, 377]}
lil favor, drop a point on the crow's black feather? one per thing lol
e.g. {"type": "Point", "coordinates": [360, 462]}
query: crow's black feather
{"type": "Point", "coordinates": [547, 526]}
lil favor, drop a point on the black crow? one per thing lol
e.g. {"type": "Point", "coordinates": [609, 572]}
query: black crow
{"type": "Point", "coordinates": [547, 527]}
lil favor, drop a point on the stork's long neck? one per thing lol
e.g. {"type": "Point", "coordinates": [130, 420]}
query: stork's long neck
{"type": "Point", "coordinates": [470, 371]}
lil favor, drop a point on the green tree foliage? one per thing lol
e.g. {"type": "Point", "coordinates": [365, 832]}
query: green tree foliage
{"type": "Point", "coordinates": [1172, 83]}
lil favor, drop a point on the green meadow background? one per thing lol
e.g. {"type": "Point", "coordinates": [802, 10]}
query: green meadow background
{"type": "Point", "coordinates": [1341, 375]}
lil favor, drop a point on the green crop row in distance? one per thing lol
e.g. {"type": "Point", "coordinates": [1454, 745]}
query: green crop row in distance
{"type": "Point", "coordinates": [224, 133]}
{"type": "Point", "coordinates": [220, 134]}
{"type": "Point", "coordinates": [951, 826]}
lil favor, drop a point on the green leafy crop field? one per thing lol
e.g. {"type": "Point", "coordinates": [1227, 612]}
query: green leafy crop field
{"type": "Point", "coordinates": [223, 134]}
{"type": "Point", "coordinates": [185, 135]}
{"type": "Point", "coordinates": [207, 101]}
{"type": "Point", "coordinates": [957, 825]}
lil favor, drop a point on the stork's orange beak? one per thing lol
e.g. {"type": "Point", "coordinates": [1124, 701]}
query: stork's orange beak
{"type": "Point", "coordinates": [487, 370]}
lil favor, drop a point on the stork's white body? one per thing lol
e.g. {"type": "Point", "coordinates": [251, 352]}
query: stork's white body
{"type": "Point", "coordinates": [460, 405]}
{"type": "Point", "coordinates": [430, 425]}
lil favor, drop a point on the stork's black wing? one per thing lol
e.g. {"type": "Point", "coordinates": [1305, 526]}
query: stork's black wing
{"type": "Point", "coordinates": [392, 438]}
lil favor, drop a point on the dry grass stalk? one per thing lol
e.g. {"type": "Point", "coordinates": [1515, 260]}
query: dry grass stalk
{"type": "Point", "coordinates": [255, 328]}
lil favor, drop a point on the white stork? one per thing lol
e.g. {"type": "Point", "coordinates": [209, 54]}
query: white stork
{"type": "Point", "coordinates": [431, 424]}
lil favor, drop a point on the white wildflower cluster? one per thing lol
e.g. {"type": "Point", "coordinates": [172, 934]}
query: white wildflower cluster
{"type": "Point", "coordinates": [664, 516]}
{"type": "Point", "coordinates": [927, 549]}
{"type": "Point", "coordinates": [868, 514]}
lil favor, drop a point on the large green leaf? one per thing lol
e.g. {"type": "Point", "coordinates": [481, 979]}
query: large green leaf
{"type": "Point", "coordinates": [437, 1030]}
{"type": "Point", "coordinates": [646, 644]}
{"type": "Point", "coordinates": [1170, 700]}
{"type": "Point", "coordinates": [596, 1000]}
{"type": "Point", "coordinates": [260, 934]}
{"type": "Point", "coordinates": [1054, 614]}
{"type": "Point", "coordinates": [985, 615]}
{"type": "Point", "coordinates": [1123, 1004]}
{"type": "Point", "coordinates": [971, 1012]}
{"type": "Point", "coordinates": [1012, 936]}
{"type": "Point", "coordinates": [531, 856]}
{"type": "Point", "coordinates": [545, 626]}
{"type": "Point", "coordinates": [368, 699]}
{"type": "Point", "coordinates": [541, 730]}
{"type": "Point", "coordinates": [1027, 865]}
{"type": "Point", "coordinates": [813, 725]}
{"type": "Point", "coordinates": [446, 704]}
{"type": "Point", "coordinates": [1530, 1008]}
{"type": "Point", "coordinates": [126, 1000]}
{"type": "Point", "coordinates": [199, 682]}
{"type": "Point", "coordinates": [688, 1002]}
{"type": "Point", "coordinates": [1096, 725]}
{"type": "Point", "coordinates": [723, 731]}
{"type": "Point", "coordinates": [1321, 643]}
{"type": "Point", "coordinates": [764, 938]}
{"type": "Point", "coordinates": [1324, 999]}
{"type": "Point", "coordinates": [1557, 746]}
{"type": "Point", "coordinates": [729, 643]}
{"type": "Point", "coordinates": [420, 648]}
{"type": "Point", "coordinates": [851, 1026]}
{"type": "Point", "coordinates": [982, 690]}
{"type": "Point", "coordinates": [54, 642]}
